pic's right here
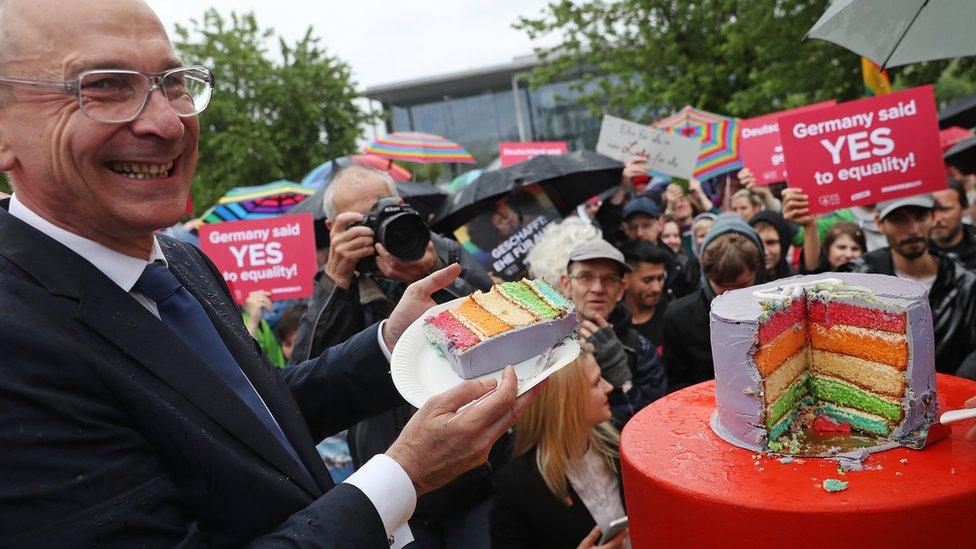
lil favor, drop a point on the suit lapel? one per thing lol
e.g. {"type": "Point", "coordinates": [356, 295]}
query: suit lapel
{"type": "Point", "coordinates": [121, 320]}
{"type": "Point", "coordinates": [242, 347]}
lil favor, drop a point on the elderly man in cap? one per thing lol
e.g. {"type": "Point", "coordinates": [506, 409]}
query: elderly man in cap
{"type": "Point", "coordinates": [907, 224]}
{"type": "Point", "coordinates": [136, 410]}
{"type": "Point", "coordinates": [595, 280]}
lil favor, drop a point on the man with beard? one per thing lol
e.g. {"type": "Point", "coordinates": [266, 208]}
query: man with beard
{"type": "Point", "coordinates": [906, 224]}
{"type": "Point", "coordinates": [595, 281]}
{"type": "Point", "coordinates": [949, 235]}
{"type": "Point", "coordinates": [645, 293]}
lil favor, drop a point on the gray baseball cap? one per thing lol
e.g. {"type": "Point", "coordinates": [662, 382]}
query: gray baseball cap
{"type": "Point", "coordinates": [919, 201]}
{"type": "Point", "coordinates": [598, 249]}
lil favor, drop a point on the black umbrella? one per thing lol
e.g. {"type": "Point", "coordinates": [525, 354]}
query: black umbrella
{"type": "Point", "coordinates": [423, 197]}
{"type": "Point", "coordinates": [962, 155]}
{"type": "Point", "coordinates": [568, 180]}
{"type": "Point", "coordinates": [961, 112]}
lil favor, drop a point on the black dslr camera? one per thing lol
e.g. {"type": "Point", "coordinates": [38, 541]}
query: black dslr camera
{"type": "Point", "coordinates": [399, 228]}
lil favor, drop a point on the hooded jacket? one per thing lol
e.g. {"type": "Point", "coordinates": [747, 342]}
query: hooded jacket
{"type": "Point", "coordinates": [687, 340]}
{"type": "Point", "coordinates": [952, 299]}
{"type": "Point", "coordinates": [786, 234]}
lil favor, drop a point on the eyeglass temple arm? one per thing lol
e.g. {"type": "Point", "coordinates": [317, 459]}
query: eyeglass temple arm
{"type": "Point", "coordinates": [66, 86]}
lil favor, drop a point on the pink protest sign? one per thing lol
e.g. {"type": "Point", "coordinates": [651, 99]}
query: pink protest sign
{"type": "Point", "coordinates": [276, 255]}
{"type": "Point", "coordinates": [760, 146]}
{"type": "Point", "coordinates": [512, 153]}
{"type": "Point", "coordinates": [865, 151]}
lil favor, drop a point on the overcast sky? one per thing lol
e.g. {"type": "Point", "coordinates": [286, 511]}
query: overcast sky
{"type": "Point", "coordinates": [388, 41]}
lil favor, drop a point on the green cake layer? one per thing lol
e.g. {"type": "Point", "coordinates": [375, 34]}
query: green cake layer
{"type": "Point", "coordinates": [845, 394]}
{"type": "Point", "coordinates": [525, 296]}
{"type": "Point", "coordinates": [857, 419]}
{"type": "Point", "coordinates": [778, 429]}
{"type": "Point", "coordinates": [787, 400]}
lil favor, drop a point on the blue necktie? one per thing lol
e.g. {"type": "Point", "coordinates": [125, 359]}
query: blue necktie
{"type": "Point", "coordinates": [183, 314]}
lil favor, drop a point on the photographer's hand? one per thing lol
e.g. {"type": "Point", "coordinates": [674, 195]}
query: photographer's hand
{"type": "Point", "coordinates": [407, 272]}
{"type": "Point", "coordinates": [347, 245]}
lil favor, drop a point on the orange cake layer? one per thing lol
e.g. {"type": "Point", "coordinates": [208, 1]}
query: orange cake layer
{"type": "Point", "coordinates": [785, 375]}
{"type": "Point", "coordinates": [481, 319]}
{"type": "Point", "coordinates": [769, 357]}
{"type": "Point", "coordinates": [883, 347]}
{"type": "Point", "coordinates": [872, 376]}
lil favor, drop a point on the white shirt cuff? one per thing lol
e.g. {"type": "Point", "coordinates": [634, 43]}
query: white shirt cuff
{"type": "Point", "coordinates": [381, 342]}
{"type": "Point", "coordinates": [391, 492]}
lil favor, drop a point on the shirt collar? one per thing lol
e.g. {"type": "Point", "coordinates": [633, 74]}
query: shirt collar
{"type": "Point", "coordinates": [121, 269]}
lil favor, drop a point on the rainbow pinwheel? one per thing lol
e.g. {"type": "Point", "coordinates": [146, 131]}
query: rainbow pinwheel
{"type": "Point", "coordinates": [424, 148]}
{"type": "Point", "coordinates": [718, 135]}
{"type": "Point", "coordinates": [257, 202]}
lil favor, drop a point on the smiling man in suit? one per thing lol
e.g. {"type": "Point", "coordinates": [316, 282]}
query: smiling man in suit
{"type": "Point", "coordinates": [135, 410]}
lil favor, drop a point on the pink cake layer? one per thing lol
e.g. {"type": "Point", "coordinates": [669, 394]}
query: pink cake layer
{"type": "Point", "coordinates": [459, 336]}
{"type": "Point", "coordinates": [837, 312]}
{"type": "Point", "coordinates": [781, 321]}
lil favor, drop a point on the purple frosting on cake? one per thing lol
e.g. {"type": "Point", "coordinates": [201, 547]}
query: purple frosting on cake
{"type": "Point", "coordinates": [734, 321]}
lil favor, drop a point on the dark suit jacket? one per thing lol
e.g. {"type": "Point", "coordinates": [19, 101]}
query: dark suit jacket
{"type": "Point", "coordinates": [114, 433]}
{"type": "Point", "coordinates": [527, 514]}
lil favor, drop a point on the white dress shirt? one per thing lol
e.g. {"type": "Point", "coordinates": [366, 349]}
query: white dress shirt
{"type": "Point", "coordinates": [381, 479]}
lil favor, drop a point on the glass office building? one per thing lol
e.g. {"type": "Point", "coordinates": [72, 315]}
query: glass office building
{"type": "Point", "coordinates": [483, 107]}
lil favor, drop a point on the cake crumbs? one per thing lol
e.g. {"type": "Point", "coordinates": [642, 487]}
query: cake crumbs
{"type": "Point", "coordinates": [834, 485]}
{"type": "Point", "coordinates": [786, 460]}
{"type": "Point", "coordinates": [952, 471]}
{"type": "Point", "coordinates": [897, 473]}
{"type": "Point", "coordinates": [756, 463]}
{"type": "Point", "coordinates": [841, 471]}
{"type": "Point", "coordinates": [903, 461]}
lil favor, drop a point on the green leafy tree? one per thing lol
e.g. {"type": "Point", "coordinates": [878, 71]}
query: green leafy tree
{"type": "Point", "coordinates": [270, 117]}
{"type": "Point", "coordinates": [648, 58]}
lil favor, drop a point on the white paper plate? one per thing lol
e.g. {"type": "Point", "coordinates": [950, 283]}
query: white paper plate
{"type": "Point", "coordinates": [419, 370]}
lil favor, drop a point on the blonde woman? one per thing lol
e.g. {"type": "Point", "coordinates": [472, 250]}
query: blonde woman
{"type": "Point", "coordinates": [563, 487]}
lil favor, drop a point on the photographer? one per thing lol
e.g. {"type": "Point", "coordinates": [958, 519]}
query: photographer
{"type": "Point", "coordinates": [360, 284]}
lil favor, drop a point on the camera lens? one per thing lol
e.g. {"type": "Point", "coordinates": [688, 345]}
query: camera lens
{"type": "Point", "coordinates": [405, 235]}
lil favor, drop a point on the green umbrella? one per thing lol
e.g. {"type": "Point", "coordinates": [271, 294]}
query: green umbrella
{"type": "Point", "coordinates": [900, 32]}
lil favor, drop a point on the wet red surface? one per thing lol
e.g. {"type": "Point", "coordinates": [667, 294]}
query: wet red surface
{"type": "Point", "coordinates": [685, 487]}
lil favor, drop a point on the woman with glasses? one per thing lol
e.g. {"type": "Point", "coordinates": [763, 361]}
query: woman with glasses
{"type": "Point", "coordinates": [563, 488]}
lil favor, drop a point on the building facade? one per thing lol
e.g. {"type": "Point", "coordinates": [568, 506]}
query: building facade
{"type": "Point", "coordinates": [482, 107]}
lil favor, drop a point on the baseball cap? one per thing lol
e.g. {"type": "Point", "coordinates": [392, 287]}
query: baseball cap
{"type": "Point", "coordinates": [598, 249]}
{"type": "Point", "coordinates": [642, 205]}
{"type": "Point", "coordinates": [919, 201]}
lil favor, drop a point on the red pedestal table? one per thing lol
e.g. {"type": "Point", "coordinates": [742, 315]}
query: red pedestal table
{"type": "Point", "coordinates": [686, 487]}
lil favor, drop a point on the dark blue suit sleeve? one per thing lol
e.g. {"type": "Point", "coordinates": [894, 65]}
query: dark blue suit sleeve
{"type": "Point", "coordinates": [344, 385]}
{"type": "Point", "coordinates": [649, 383]}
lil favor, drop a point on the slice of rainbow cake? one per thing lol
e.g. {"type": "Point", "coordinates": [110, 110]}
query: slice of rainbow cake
{"type": "Point", "coordinates": [511, 322]}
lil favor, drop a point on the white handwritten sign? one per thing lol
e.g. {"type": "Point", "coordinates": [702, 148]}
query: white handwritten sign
{"type": "Point", "coordinates": [667, 153]}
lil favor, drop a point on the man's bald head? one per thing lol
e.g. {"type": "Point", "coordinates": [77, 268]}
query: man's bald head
{"type": "Point", "coordinates": [356, 189]}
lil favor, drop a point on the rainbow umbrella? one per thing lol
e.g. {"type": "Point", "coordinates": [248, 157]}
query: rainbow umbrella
{"type": "Point", "coordinates": [257, 202]}
{"type": "Point", "coordinates": [424, 148]}
{"type": "Point", "coordinates": [322, 174]}
{"type": "Point", "coordinates": [718, 135]}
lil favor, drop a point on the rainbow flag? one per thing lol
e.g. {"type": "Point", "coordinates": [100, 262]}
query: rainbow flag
{"type": "Point", "coordinates": [717, 134]}
{"type": "Point", "coordinates": [875, 78]}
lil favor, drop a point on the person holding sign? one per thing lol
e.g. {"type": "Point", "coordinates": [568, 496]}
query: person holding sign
{"type": "Point", "coordinates": [907, 224]}
{"type": "Point", "coordinates": [137, 410]}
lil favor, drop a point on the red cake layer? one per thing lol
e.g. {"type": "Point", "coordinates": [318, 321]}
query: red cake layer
{"type": "Point", "coordinates": [836, 312]}
{"type": "Point", "coordinates": [781, 321]}
{"type": "Point", "coordinates": [461, 337]}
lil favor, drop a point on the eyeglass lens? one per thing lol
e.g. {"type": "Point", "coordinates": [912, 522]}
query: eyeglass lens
{"type": "Point", "coordinates": [112, 96]}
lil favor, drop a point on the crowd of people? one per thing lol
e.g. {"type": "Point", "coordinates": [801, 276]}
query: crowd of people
{"type": "Point", "coordinates": [140, 406]}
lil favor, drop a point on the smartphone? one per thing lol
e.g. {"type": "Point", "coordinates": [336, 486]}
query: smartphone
{"type": "Point", "coordinates": [615, 527]}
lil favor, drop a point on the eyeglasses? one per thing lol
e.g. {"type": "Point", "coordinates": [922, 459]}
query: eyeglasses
{"type": "Point", "coordinates": [116, 96]}
{"type": "Point", "coordinates": [609, 281]}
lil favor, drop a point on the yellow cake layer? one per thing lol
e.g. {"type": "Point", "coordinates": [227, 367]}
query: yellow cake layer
{"type": "Point", "coordinates": [871, 345]}
{"type": "Point", "coordinates": [871, 376]}
{"type": "Point", "coordinates": [497, 304]}
{"type": "Point", "coordinates": [769, 357]}
{"type": "Point", "coordinates": [475, 318]}
{"type": "Point", "coordinates": [785, 375]}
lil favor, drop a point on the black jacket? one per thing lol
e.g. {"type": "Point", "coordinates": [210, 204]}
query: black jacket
{"type": "Point", "coordinates": [528, 515]}
{"type": "Point", "coordinates": [965, 251]}
{"type": "Point", "coordinates": [786, 232]}
{"type": "Point", "coordinates": [649, 381]}
{"type": "Point", "coordinates": [335, 313]}
{"type": "Point", "coordinates": [687, 341]}
{"type": "Point", "coordinates": [115, 434]}
{"type": "Point", "coordinates": [952, 299]}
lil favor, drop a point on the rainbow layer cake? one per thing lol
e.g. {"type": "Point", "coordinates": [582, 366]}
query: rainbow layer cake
{"type": "Point", "coordinates": [844, 350]}
{"type": "Point", "coordinates": [512, 322]}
